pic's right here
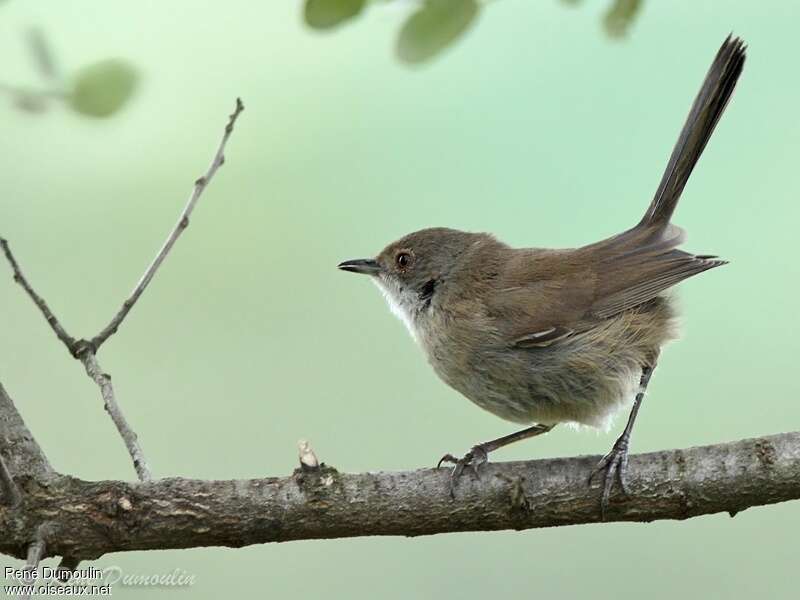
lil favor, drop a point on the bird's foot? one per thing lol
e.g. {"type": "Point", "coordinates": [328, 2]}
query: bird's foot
{"type": "Point", "coordinates": [613, 466]}
{"type": "Point", "coordinates": [474, 459]}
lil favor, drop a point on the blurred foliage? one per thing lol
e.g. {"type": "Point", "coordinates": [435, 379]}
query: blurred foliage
{"type": "Point", "coordinates": [620, 16]}
{"type": "Point", "coordinates": [100, 89]}
{"type": "Point", "coordinates": [324, 14]}
{"type": "Point", "coordinates": [434, 25]}
{"type": "Point", "coordinates": [29, 101]}
{"type": "Point", "coordinates": [42, 55]}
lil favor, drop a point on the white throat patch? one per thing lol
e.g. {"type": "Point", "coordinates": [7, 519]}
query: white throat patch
{"type": "Point", "coordinates": [400, 303]}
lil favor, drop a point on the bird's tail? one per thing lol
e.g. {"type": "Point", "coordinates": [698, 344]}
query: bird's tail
{"type": "Point", "coordinates": [706, 111]}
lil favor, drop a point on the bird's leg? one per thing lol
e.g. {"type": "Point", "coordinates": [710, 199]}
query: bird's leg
{"type": "Point", "coordinates": [479, 454]}
{"type": "Point", "coordinates": [616, 461]}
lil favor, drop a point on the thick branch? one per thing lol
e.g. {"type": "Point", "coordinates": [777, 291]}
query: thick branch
{"type": "Point", "coordinates": [22, 455]}
{"type": "Point", "coordinates": [94, 518]}
{"type": "Point", "coordinates": [183, 222]}
{"type": "Point", "coordinates": [10, 492]}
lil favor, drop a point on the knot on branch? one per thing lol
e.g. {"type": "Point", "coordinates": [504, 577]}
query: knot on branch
{"type": "Point", "coordinates": [82, 347]}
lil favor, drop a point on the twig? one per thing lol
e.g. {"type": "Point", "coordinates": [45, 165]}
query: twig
{"type": "Point", "coordinates": [35, 552]}
{"type": "Point", "coordinates": [11, 493]}
{"type": "Point", "coordinates": [103, 380]}
{"type": "Point", "coordinates": [84, 350]}
{"type": "Point", "coordinates": [43, 55]}
{"type": "Point", "coordinates": [65, 568]}
{"type": "Point", "coordinates": [17, 91]}
{"type": "Point", "coordinates": [69, 341]}
{"type": "Point", "coordinates": [183, 222]}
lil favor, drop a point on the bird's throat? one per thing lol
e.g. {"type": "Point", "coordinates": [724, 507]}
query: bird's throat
{"type": "Point", "coordinates": [402, 305]}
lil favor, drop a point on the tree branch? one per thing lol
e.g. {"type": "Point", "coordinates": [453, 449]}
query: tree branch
{"type": "Point", "coordinates": [84, 350]}
{"type": "Point", "coordinates": [94, 518]}
{"type": "Point", "coordinates": [65, 569]}
{"type": "Point", "coordinates": [183, 222]}
{"type": "Point", "coordinates": [23, 457]}
{"type": "Point", "coordinates": [11, 495]}
{"type": "Point", "coordinates": [69, 341]}
{"type": "Point", "coordinates": [129, 437]}
{"type": "Point", "coordinates": [36, 551]}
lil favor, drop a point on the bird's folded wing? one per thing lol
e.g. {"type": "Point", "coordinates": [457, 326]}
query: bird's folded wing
{"type": "Point", "coordinates": [630, 280]}
{"type": "Point", "coordinates": [567, 293]}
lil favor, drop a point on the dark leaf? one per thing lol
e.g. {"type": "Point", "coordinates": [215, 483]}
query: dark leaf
{"type": "Point", "coordinates": [325, 14]}
{"type": "Point", "coordinates": [620, 16]}
{"type": "Point", "coordinates": [434, 27]}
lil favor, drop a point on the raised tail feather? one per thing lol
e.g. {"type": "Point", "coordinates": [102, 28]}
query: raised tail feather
{"type": "Point", "coordinates": [641, 263]}
{"type": "Point", "coordinates": [708, 107]}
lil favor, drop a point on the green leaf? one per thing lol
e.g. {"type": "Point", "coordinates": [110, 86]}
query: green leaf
{"type": "Point", "coordinates": [326, 14]}
{"type": "Point", "coordinates": [434, 27]}
{"type": "Point", "coordinates": [102, 88]}
{"type": "Point", "coordinates": [620, 17]}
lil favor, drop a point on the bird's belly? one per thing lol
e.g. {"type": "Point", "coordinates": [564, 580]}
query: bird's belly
{"type": "Point", "coordinates": [583, 379]}
{"type": "Point", "coordinates": [549, 388]}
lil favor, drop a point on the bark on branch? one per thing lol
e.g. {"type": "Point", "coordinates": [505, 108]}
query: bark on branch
{"type": "Point", "coordinates": [90, 519]}
{"type": "Point", "coordinates": [19, 449]}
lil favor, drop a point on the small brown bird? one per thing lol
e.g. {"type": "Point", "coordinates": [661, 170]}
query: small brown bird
{"type": "Point", "coordinates": [541, 336]}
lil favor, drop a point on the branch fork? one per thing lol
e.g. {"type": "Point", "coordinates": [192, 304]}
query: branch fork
{"type": "Point", "coordinates": [86, 350]}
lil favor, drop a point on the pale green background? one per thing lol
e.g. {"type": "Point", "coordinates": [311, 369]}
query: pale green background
{"type": "Point", "coordinates": [536, 127]}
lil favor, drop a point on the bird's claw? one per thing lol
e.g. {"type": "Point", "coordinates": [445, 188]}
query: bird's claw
{"type": "Point", "coordinates": [473, 460]}
{"type": "Point", "coordinates": [613, 466]}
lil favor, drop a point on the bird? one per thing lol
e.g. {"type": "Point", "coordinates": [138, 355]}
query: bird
{"type": "Point", "coordinates": [542, 336]}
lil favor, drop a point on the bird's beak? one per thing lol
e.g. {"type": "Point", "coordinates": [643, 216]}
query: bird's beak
{"type": "Point", "coordinates": [367, 266]}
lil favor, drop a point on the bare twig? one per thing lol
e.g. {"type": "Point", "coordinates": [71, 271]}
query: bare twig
{"type": "Point", "coordinates": [69, 341]}
{"type": "Point", "coordinates": [103, 380]}
{"type": "Point", "coordinates": [11, 494]}
{"type": "Point", "coordinates": [43, 55]}
{"type": "Point", "coordinates": [84, 350]}
{"type": "Point", "coordinates": [183, 222]}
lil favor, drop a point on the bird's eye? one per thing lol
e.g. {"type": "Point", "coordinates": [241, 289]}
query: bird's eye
{"type": "Point", "coordinates": [403, 259]}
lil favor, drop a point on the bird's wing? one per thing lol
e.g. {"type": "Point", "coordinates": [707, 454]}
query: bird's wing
{"type": "Point", "coordinates": [544, 297]}
{"type": "Point", "coordinates": [541, 297]}
{"type": "Point", "coordinates": [632, 279]}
